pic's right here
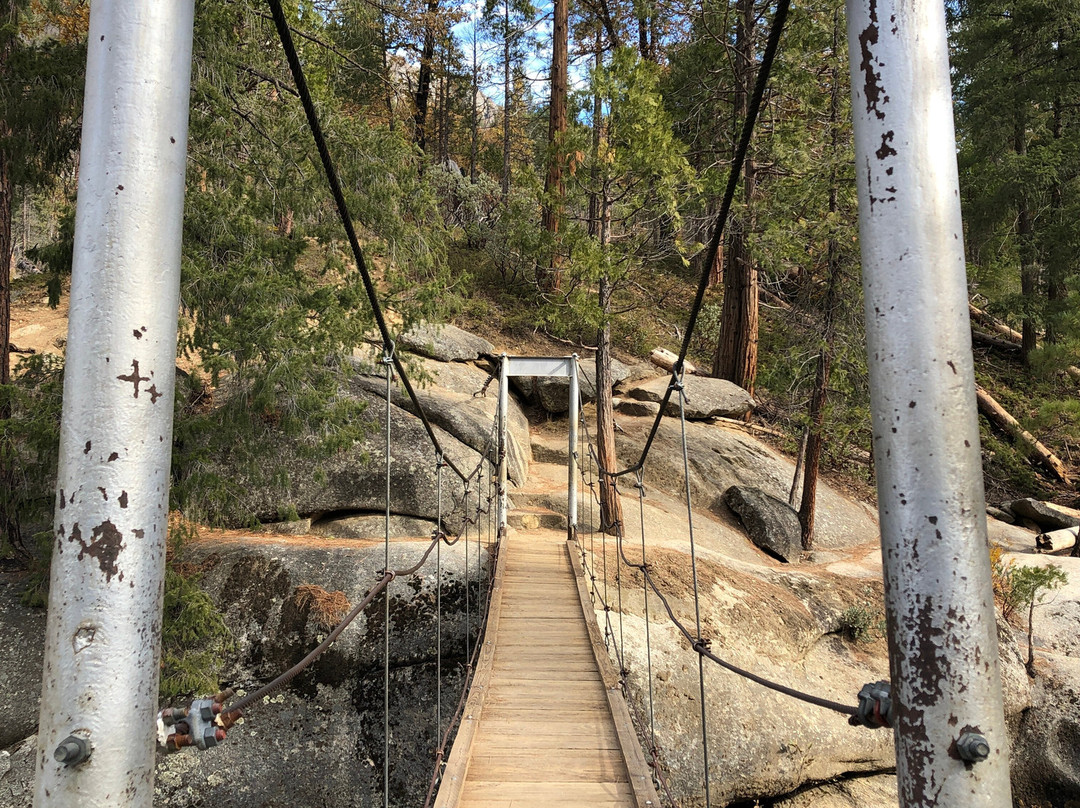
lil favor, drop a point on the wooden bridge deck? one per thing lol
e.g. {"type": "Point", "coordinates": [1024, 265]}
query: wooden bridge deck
{"type": "Point", "coordinates": [545, 723]}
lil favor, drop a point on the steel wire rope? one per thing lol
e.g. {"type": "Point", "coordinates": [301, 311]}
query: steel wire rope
{"type": "Point", "coordinates": [388, 362]}
{"type": "Point", "coordinates": [439, 464]}
{"type": "Point", "coordinates": [285, 35]}
{"type": "Point", "coordinates": [697, 598]}
{"type": "Point", "coordinates": [640, 485]}
{"type": "Point", "coordinates": [779, 19]}
{"type": "Point", "coordinates": [702, 649]}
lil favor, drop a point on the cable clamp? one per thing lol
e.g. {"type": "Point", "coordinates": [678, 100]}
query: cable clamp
{"type": "Point", "coordinates": [702, 644]}
{"type": "Point", "coordinates": [388, 355]}
{"type": "Point", "coordinates": [875, 706]}
{"type": "Point", "coordinates": [203, 724]}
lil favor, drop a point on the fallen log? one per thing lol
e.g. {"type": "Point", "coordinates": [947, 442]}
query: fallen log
{"type": "Point", "coordinates": [995, 343]}
{"type": "Point", "coordinates": [1055, 540]}
{"type": "Point", "coordinates": [994, 324]}
{"type": "Point", "coordinates": [1000, 417]}
{"type": "Point", "coordinates": [663, 358]}
{"type": "Point", "coordinates": [1014, 337]}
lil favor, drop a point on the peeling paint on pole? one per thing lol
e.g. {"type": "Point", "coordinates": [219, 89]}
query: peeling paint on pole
{"type": "Point", "coordinates": [99, 689]}
{"type": "Point", "coordinates": [942, 634]}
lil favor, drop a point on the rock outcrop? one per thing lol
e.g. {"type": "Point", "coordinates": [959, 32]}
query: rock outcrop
{"type": "Point", "coordinates": [705, 397]}
{"type": "Point", "coordinates": [721, 457]}
{"type": "Point", "coordinates": [445, 343]}
{"type": "Point", "coordinates": [320, 740]}
{"type": "Point", "coordinates": [771, 524]}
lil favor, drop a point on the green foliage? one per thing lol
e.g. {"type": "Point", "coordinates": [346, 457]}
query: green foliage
{"type": "Point", "coordinates": [275, 305]}
{"type": "Point", "coordinates": [194, 639]}
{"type": "Point", "coordinates": [860, 624]}
{"type": "Point", "coordinates": [1029, 585]}
{"type": "Point", "coordinates": [29, 442]}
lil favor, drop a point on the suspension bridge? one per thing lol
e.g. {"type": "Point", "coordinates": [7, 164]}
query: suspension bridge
{"type": "Point", "coordinates": [544, 719]}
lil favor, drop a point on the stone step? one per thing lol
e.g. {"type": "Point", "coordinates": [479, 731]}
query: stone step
{"type": "Point", "coordinates": [533, 518]}
{"type": "Point", "coordinates": [550, 449]}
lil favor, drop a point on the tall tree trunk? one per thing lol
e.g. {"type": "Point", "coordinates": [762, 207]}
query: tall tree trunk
{"type": "Point", "coordinates": [387, 77]}
{"type": "Point", "coordinates": [548, 276]}
{"type": "Point", "coordinates": [474, 134]}
{"type": "Point", "coordinates": [1029, 273]}
{"type": "Point", "coordinates": [816, 440]}
{"type": "Point", "coordinates": [7, 192]}
{"type": "Point", "coordinates": [610, 506]}
{"type": "Point", "coordinates": [598, 111]}
{"type": "Point", "coordinates": [643, 34]}
{"type": "Point", "coordinates": [507, 95]}
{"type": "Point", "coordinates": [1056, 291]}
{"type": "Point", "coordinates": [423, 80]}
{"type": "Point", "coordinates": [736, 349]}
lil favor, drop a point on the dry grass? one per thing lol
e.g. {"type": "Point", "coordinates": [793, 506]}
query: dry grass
{"type": "Point", "coordinates": [326, 607]}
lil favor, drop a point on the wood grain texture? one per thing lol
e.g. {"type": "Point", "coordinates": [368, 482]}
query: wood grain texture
{"type": "Point", "coordinates": [542, 733]}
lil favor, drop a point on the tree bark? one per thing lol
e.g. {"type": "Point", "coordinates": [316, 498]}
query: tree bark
{"type": "Point", "coordinates": [506, 101]}
{"type": "Point", "coordinates": [547, 276]}
{"type": "Point", "coordinates": [610, 506]}
{"type": "Point", "coordinates": [598, 111]}
{"type": "Point", "coordinates": [1029, 273]}
{"type": "Point", "coordinates": [7, 192]}
{"type": "Point", "coordinates": [423, 81]}
{"type": "Point", "coordinates": [816, 441]}
{"type": "Point", "coordinates": [736, 349]}
{"type": "Point", "coordinates": [474, 134]}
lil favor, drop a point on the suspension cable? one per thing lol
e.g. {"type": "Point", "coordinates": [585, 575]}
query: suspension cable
{"type": "Point", "coordinates": [779, 18]}
{"type": "Point", "coordinates": [346, 219]}
{"type": "Point", "coordinates": [388, 363]}
{"type": "Point", "coordinates": [697, 598]}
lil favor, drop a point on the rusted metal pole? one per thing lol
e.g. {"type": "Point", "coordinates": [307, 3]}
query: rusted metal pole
{"type": "Point", "coordinates": [942, 637]}
{"type": "Point", "coordinates": [100, 684]}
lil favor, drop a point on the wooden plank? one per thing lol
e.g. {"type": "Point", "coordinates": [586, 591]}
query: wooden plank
{"type": "Point", "coordinates": [515, 768]}
{"type": "Point", "coordinates": [640, 774]}
{"type": "Point", "coordinates": [553, 793]}
{"type": "Point", "coordinates": [549, 744]}
{"type": "Point", "coordinates": [458, 763]}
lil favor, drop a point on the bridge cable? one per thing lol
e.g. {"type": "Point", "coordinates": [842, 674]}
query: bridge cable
{"type": "Point", "coordinates": [388, 363]}
{"type": "Point", "coordinates": [693, 570]}
{"type": "Point", "coordinates": [346, 219]}
{"type": "Point", "coordinates": [439, 464]}
{"type": "Point", "coordinates": [640, 485]}
{"type": "Point", "coordinates": [779, 18]}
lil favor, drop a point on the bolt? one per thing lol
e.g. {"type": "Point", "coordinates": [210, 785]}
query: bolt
{"type": "Point", "coordinates": [72, 751]}
{"type": "Point", "coordinates": [972, 747]}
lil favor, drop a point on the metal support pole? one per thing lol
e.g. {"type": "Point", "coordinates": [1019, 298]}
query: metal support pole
{"type": "Point", "coordinates": [100, 682]}
{"type": "Point", "coordinates": [504, 406]}
{"type": "Point", "coordinates": [572, 464]}
{"type": "Point", "coordinates": [942, 638]}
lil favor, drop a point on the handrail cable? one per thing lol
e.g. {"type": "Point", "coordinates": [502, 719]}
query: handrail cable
{"type": "Point", "coordinates": [694, 575]}
{"type": "Point", "coordinates": [704, 650]}
{"type": "Point", "coordinates": [387, 361]}
{"type": "Point", "coordinates": [346, 220]}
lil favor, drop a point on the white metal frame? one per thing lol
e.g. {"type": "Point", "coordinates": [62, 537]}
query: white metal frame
{"type": "Point", "coordinates": [560, 366]}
